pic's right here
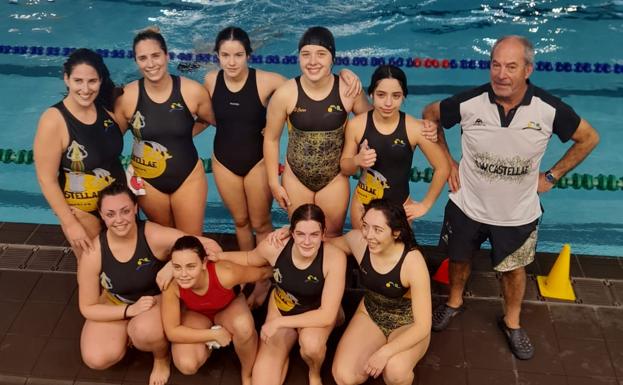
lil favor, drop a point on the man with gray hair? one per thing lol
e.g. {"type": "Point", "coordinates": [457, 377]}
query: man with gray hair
{"type": "Point", "coordinates": [506, 125]}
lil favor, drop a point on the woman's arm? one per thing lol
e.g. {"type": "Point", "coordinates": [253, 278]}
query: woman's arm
{"type": "Point", "coordinates": [334, 269]}
{"type": "Point", "coordinates": [198, 100]}
{"type": "Point", "coordinates": [89, 292]}
{"type": "Point", "coordinates": [437, 159]}
{"type": "Point", "coordinates": [264, 254]}
{"type": "Point", "coordinates": [48, 150]}
{"type": "Point", "coordinates": [415, 274]}
{"type": "Point", "coordinates": [276, 116]}
{"type": "Point", "coordinates": [231, 274]}
{"type": "Point", "coordinates": [354, 155]}
{"type": "Point", "coordinates": [178, 333]}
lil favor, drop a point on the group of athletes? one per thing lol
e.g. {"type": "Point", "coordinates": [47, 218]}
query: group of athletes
{"type": "Point", "coordinates": [162, 287]}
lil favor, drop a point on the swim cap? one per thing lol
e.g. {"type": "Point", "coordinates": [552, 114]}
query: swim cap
{"type": "Point", "coordinates": [318, 36]}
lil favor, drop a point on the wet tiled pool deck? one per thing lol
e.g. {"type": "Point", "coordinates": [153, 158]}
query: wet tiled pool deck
{"type": "Point", "coordinates": [576, 343]}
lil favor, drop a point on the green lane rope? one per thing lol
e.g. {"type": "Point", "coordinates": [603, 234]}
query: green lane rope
{"type": "Point", "coordinates": [576, 181]}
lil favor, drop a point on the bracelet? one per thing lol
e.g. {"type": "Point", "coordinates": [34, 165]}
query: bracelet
{"type": "Point", "coordinates": [125, 311]}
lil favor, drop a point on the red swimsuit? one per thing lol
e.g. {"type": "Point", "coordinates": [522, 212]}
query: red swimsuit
{"type": "Point", "coordinates": [214, 300]}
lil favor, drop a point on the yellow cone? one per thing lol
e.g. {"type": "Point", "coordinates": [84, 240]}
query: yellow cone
{"type": "Point", "coordinates": [558, 284]}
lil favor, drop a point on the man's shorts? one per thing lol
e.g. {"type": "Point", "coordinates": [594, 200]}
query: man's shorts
{"type": "Point", "coordinates": [512, 247]}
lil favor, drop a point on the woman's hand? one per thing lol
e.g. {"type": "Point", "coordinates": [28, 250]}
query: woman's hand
{"type": "Point", "coordinates": [376, 363]}
{"type": "Point", "coordinates": [415, 209]}
{"type": "Point", "coordinates": [221, 336]}
{"type": "Point", "coordinates": [77, 236]}
{"type": "Point", "coordinates": [164, 276]}
{"type": "Point", "coordinates": [281, 196]}
{"type": "Point", "coordinates": [277, 237]}
{"type": "Point", "coordinates": [366, 157]}
{"type": "Point", "coordinates": [269, 329]}
{"type": "Point", "coordinates": [353, 82]}
{"type": "Point", "coordinates": [143, 304]}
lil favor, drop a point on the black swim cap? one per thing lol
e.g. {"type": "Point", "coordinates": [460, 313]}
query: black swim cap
{"type": "Point", "coordinates": [318, 36]}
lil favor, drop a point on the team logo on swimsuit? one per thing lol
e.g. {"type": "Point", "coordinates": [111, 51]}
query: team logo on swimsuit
{"type": "Point", "coordinates": [105, 282]}
{"type": "Point", "coordinates": [108, 123]}
{"type": "Point", "coordinates": [398, 142]}
{"type": "Point", "coordinates": [277, 275]}
{"type": "Point", "coordinates": [143, 262]}
{"type": "Point", "coordinates": [311, 279]}
{"type": "Point", "coordinates": [149, 158]}
{"type": "Point", "coordinates": [299, 109]}
{"type": "Point", "coordinates": [284, 301]}
{"type": "Point", "coordinates": [81, 190]}
{"type": "Point", "coordinates": [137, 122]}
{"type": "Point", "coordinates": [390, 284]}
{"type": "Point", "coordinates": [334, 107]}
{"type": "Point", "coordinates": [371, 185]}
{"type": "Point", "coordinates": [176, 106]}
{"type": "Point", "coordinates": [533, 126]}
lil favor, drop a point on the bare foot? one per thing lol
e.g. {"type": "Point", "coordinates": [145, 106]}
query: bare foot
{"type": "Point", "coordinates": [161, 371]}
{"type": "Point", "coordinates": [314, 378]}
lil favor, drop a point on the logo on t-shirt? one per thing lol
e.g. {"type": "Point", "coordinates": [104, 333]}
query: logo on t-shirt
{"type": "Point", "coordinates": [479, 122]}
{"type": "Point", "coordinates": [532, 126]}
{"type": "Point", "coordinates": [493, 167]}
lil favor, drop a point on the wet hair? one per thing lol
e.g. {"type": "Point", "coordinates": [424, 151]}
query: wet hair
{"type": "Point", "coordinates": [150, 33]}
{"type": "Point", "coordinates": [115, 188]}
{"type": "Point", "coordinates": [387, 71]}
{"type": "Point", "coordinates": [189, 242]}
{"type": "Point", "coordinates": [307, 212]}
{"type": "Point", "coordinates": [318, 36]}
{"type": "Point", "coordinates": [233, 34]}
{"type": "Point", "coordinates": [396, 220]}
{"type": "Point", "coordinates": [107, 93]}
{"type": "Point", "coordinates": [527, 45]}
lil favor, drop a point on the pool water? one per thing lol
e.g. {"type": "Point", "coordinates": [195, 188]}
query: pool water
{"type": "Point", "coordinates": [366, 32]}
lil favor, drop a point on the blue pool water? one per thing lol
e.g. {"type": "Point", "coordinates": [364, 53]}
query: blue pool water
{"type": "Point", "coordinates": [563, 31]}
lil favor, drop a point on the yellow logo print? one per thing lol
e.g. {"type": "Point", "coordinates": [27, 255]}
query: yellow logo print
{"type": "Point", "coordinates": [371, 185]}
{"type": "Point", "coordinates": [284, 301]}
{"type": "Point", "coordinates": [176, 106]}
{"type": "Point", "coordinates": [81, 190]}
{"type": "Point", "coordinates": [149, 159]}
{"type": "Point", "coordinates": [108, 123]}
{"type": "Point", "coordinates": [311, 278]}
{"type": "Point", "coordinates": [398, 142]}
{"type": "Point", "coordinates": [334, 107]}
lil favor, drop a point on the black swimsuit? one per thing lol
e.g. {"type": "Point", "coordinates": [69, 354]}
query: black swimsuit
{"type": "Point", "coordinates": [240, 119]}
{"type": "Point", "coordinates": [316, 137]}
{"type": "Point", "coordinates": [297, 291]}
{"type": "Point", "coordinates": [384, 297]}
{"type": "Point", "coordinates": [389, 177]}
{"type": "Point", "coordinates": [91, 161]}
{"type": "Point", "coordinates": [163, 153]}
{"type": "Point", "coordinates": [126, 282]}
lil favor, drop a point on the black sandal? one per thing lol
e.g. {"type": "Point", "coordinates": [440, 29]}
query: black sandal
{"type": "Point", "coordinates": [518, 341]}
{"type": "Point", "coordinates": [443, 314]}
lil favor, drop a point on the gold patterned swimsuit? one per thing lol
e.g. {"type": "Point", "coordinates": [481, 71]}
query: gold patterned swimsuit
{"type": "Point", "coordinates": [316, 137]}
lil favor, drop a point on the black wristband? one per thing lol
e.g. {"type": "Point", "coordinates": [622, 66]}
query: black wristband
{"type": "Point", "coordinates": [125, 311]}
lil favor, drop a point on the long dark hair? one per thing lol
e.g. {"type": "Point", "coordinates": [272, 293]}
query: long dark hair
{"type": "Point", "coordinates": [233, 34]}
{"type": "Point", "coordinates": [189, 242]}
{"type": "Point", "coordinates": [150, 33]}
{"type": "Point", "coordinates": [387, 71]}
{"type": "Point", "coordinates": [107, 93]}
{"type": "Point", "coordinates": [396, 220]}
{"type": "Point", "coordinates": [307, 212]}
{"type": "Point", "coordinates": [114, 189]}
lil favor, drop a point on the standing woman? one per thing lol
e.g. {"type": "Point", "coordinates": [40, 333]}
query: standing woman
{"type": "Point", "coordinates": [315, 106]}
{"type": "Point", "coordinates": [382, 143]}
{"type": "Point", "coordinates": [160, 109]}
{"type": "Point", "coordinates": [213, 312]}
{"type": "Point", "coordinates": [117, 289]}
{"type": "Point", "coordinates": [390, 330]}
{"type": "Point", "coordinates": [239, 96]}
{"type": "Point", "coordinates": [77, 148]}
{"type": "Point", "coordinates": [305, 302]}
